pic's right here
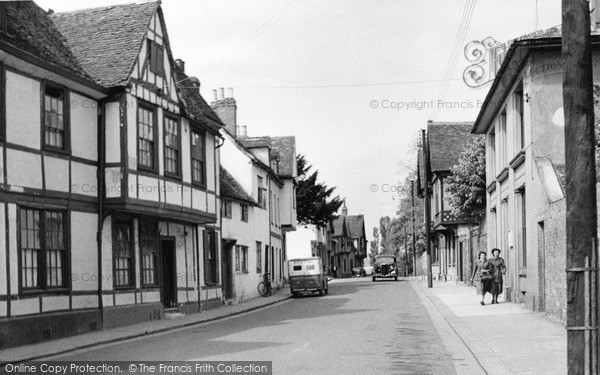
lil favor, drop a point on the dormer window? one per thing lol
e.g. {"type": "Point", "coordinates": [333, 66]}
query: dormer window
{"type": "Point", "coordinates": [155, 58]}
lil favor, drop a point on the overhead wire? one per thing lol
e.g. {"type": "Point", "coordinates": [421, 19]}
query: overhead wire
{"type": "Point", "coordinates": [271, 21]}
{"type": "Point", "coordinates": [454, 57]}
{"type": "Point", "coordinates": [343, 85]}
{"type": "Point", "coordinates": [454, 46]}
{"type": "Point", "coordinates": [455, 52]}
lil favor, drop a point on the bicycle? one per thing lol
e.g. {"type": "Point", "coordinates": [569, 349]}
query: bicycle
{"type": "Point", "coordinates": [264, 287]}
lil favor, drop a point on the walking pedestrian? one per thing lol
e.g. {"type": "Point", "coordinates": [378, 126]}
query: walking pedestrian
{"type": "Point", "coordinates": [498, 269]}
{"type": "Point", "coordinates": [482, 276]}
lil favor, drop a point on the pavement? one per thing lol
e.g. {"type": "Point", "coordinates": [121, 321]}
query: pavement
{"type": "Point", "coordinates": [504, 338]}
{"type": "Point", "coordinates": [69, 344]}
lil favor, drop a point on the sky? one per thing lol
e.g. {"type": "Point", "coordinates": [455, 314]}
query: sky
{"type": "Point", "coordinates": [353, 80]}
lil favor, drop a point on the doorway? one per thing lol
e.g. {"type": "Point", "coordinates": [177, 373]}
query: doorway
{"type": "Point", "coordinates": [169, 280]}
{"type": "Point", "coordinates": [227, 267]}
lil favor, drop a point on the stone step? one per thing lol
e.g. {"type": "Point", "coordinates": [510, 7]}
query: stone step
{"type": "Point", "coordinates": [173, 313]}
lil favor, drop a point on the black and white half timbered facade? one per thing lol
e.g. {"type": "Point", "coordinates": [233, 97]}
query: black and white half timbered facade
{"type": "Point", "coordinates": [109, 162]}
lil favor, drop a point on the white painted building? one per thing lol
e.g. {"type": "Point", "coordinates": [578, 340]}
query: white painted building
{"type": "Point", "coordinates": [306, 241]}
{"type": "Point", "coordinates": [265, 170]}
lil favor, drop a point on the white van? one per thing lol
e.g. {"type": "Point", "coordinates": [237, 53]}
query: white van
{"type": "Point", "coordinates": [307, 276]}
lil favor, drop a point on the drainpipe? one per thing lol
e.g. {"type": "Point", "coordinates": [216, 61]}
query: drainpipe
{"type": "Point", "coordinates": [197, 250]}
{"type": "Point", "coordinates": [100, 191]}
{"type": "Point", "coordinates": [269, 200]}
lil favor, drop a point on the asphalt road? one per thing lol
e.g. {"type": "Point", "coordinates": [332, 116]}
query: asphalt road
{"type": "Point", "coordinates": [361, 327]}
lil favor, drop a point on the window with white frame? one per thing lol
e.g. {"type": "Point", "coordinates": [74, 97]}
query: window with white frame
{"type": "Point", "coordinates": [55, 119]}
{"type": "Point", "coordinates": [43, 249]}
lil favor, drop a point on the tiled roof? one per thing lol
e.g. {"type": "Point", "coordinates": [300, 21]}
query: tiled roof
{"type": "Point", "coordinates": [29, 29]}
{"type": "Point", "coordinates": [230, 188]}
{"type": "Point", "coordinates": [356, 225]}
{"type": "Point", "coordinates": [254, 142]}
{"type": "Point", "coordinates": [338, 226]}
{"type": "Point", "coordinates": [286, 147]}
{"type": "Point", "coordinates": [106, 41]}
{"type": "Point", "coordinates": [196, 107]}
{"type": "Point", "coordinates": [447, 140]}
{"type": "Point", "coordinates": [282, 147]}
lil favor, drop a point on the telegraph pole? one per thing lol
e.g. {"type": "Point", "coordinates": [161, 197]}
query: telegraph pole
{"type": "Point", "coordinates": [427, 209]}
{"type": "Point", "coordinates": [578, 100]}
{"type": "Point", "coordinates": [405, 253]}
{"type": "Point", "coordinates": [414, 248]}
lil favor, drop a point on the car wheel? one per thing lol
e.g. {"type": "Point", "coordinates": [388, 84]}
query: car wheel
{"type": "Point", "coordinates": [395, 278]}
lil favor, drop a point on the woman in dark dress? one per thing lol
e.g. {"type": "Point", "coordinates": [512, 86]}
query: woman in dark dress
{"type": "Point", "coordinates": [482, 276]}
{"type": "Point", "coordinates": [498, 269]}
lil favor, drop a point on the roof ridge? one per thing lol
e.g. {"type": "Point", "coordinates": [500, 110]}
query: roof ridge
{"type": "Point", "coordinates": [104, 7]}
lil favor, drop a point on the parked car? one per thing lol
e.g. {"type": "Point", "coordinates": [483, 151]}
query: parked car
{"type": "Point", "coordinates": [359, 272]}
{"type": "Point", "coordinates": [386, 267]}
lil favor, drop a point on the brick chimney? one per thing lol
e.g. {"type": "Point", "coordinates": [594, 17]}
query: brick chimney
{"type": "Point", "coordinates": [344, 209]}
{"type": "Point", "coordinates": [226, 109]}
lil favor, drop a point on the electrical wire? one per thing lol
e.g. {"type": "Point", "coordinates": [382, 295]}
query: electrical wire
{"type": "Point", "coordinates": [343, 85]}
{"type": "Point", "coordinates": [271, 21]}
{"type": "Point", "coordinates": [454, 53]}
{"type": "Point", "coordinates": [454, 58]}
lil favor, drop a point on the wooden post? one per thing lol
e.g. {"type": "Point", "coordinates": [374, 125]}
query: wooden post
{"type": "Point", "coordinates": [581, 187]}
{"type": "Point", "coordinates": [427, 209]}
{"type": "Point", "coordinates": [414, 247]}
{"type": "Point", "coordinates": [405, 252]}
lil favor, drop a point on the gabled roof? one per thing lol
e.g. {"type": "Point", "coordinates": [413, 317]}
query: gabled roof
{"type": "Point", "coordinates": [30, 29]}
{"type": "Point", "coordinates": [282, 147]}
{"type": "Point", "coordinates": [447, 140]}
{"type": "Point", "coordinates": [356, 225]}
{"type": "Point", "coordinates": [106, 41]}
{"type": "Point", "coordinates": [286, 148]}
{"type": "Point", "coordinates": [339, 224]}
{"type": "Point", "coordinates": [230, 188]}
{"type": "Point", "coordinates": [196, 107]}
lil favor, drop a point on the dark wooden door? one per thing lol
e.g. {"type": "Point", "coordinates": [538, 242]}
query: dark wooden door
{"type": "Point", "coordinates": [227, 268]}
{"type": "Point", "coordinates": [169, 282]}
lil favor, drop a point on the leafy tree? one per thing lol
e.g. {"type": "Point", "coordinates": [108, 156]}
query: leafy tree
{"type": "Point", "coordinates": [384, 225]}
{"type": "Point", "coordinates": [374, 243]}
{"type": "Point", "coordinates": [314, 201]}
{"type": "Point", "coordinates": [466, 185]}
